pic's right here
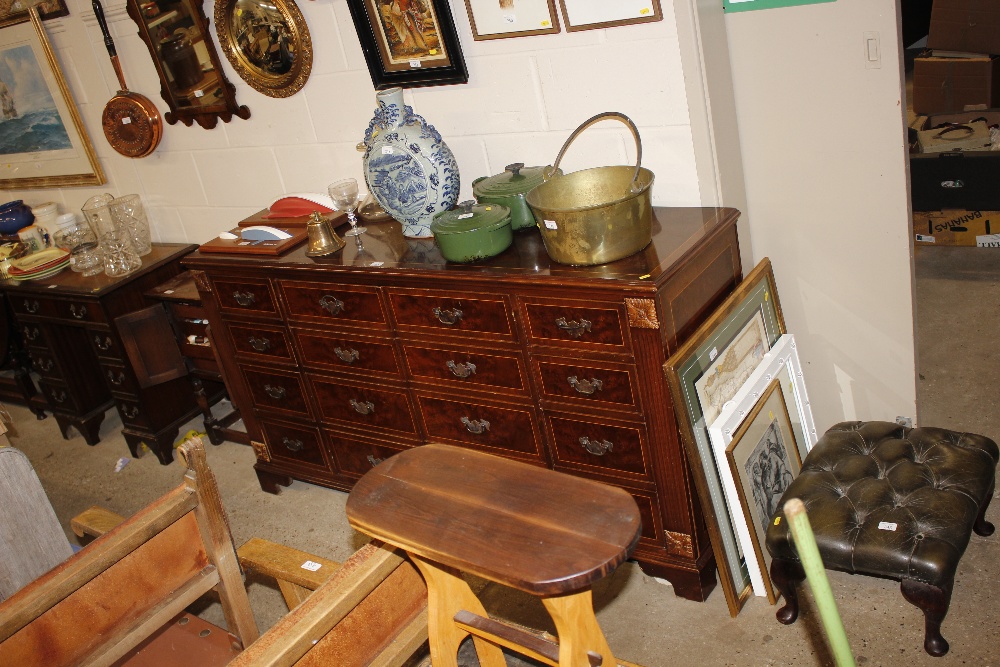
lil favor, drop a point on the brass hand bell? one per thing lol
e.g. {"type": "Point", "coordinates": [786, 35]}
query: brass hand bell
{"type": "Point", "coordinates": [322, 239]}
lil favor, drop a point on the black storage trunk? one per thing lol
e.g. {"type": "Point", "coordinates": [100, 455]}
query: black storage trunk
{"type": "Point", "coordinates": [968, 180]}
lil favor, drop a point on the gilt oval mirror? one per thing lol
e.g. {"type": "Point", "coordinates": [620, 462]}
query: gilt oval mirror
{"type": "Point", "coordinates": [191, 79]}
{"type": "Point", "coordinates": [267, 42]}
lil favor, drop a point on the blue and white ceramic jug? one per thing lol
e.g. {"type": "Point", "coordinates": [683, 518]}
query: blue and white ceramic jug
{"type": "Point", "coordinates": [409, 169]}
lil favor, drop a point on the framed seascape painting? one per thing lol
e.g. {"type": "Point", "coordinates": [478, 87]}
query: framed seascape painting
{"type": "Point", "coordinates": [43, 142]}
{"type": "Point", "coordinates": [780, 365]}
{"type": "Point", "coordinates": [763, 460]}
{"type": "Point", "coordinates": [755, 298]}
{"type": "Point", "coordinates": [409, 43]}
{"type": "Point", "coordinates": [496, 19]}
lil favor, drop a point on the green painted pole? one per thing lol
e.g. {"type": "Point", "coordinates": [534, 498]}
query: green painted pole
{"type": "Point", "coordinates": [812, 563]}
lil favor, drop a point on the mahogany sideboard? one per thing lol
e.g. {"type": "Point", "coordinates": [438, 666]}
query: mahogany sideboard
{"type": "Point", "coordinates": [339, 362]}
{"type": "Point", "coordinates": [68, 324]}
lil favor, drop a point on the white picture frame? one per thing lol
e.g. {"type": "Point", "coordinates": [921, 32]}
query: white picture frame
{"type": "Point", "coordinates": [498, 19]}
{"type": "Point", "coordinates": [592, 14]}
{"type": "Point", "coordinates": [781, 361]}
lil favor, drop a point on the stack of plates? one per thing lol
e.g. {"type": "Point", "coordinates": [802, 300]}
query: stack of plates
{"type": "Point", "coordinates": [42, 264]}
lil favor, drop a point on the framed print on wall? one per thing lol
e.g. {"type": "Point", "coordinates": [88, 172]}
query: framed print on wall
{"type": "Point", "coordinates": [47, 9]}
{"type": "Point", "coordinates": [409, 43]}
{"type": "Point", "coordinates": [763, 460]}
{"type": "Point", "coordinates": [43, 142]}
{"type": "Point", "coordinates": [591, 14]}
{"type": "Point", "coordinates": [496, 19]}
{"type": "Point", "coordinates": [755, 297]}
{"type": "Point", "coordinates": [781, 365]}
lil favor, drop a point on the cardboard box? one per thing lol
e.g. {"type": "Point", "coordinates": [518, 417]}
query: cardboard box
{"type": "Point", "coordinates": [961, 180]}
{"type": "Point", "coordinates": [957, 228]}
{"type": "Point", "coordinates": [965, 25]}
{"type": "Point", "coordinates": [949, 85]}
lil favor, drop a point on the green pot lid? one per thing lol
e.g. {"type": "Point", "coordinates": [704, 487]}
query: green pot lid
{"type": "Point", "coordinates": [516, 179]}
{"type": "Point", "coordinates": [470, 217]}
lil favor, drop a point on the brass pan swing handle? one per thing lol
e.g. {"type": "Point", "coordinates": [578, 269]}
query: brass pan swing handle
{"type": "Point", "coordinates": [634, 186]}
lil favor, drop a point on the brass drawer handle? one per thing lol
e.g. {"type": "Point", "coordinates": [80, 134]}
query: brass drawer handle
{"type": "Point", "coordinates": [293, 445]}
{"type": "Point", "coordinates": [130, 411]}
{"type": "Point", "coordinates": [104, 345]}
{"type": "Point", "coordinates": [31, 306]}
{"type": "Point", "coordinates": [461, 370]}
{"type": "Point", "coordinates": [59, 396]}
{"type": "Point", "coordinates": [597, 447]}
{"type": "Point", "coordinates": [585, 387]}
{"type": "Point", "coordinates": [244, 298]}
{"type": "Point", "coordinates": [447, 316]}
{"type": "Point", "coordinates": [574, 328]}
{"type": "Point", "coordinates": [331, 304]}
{"type": "Point", "coordinates": [277, 393]}
{"type": "Point", "coordinates": [347, 356]}
{"type": "Point", "coordinates": [374, 461]}
{"type": "Point", "coordinates": [476, 426]}
{"type": "Point", "coordinates": [77, 312]}
{"type": "Point", "coordinates": [117, 381]}
{"type": "Point", "coordinates": [44, 364]}
{"type": "Point", "coordinates": [363, 407]}
{"type": "Point", "coordinates": [31, 333]}
{"type": "Point", "coordinates": [260, 344]}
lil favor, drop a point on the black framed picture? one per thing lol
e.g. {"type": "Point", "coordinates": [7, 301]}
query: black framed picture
{"type": "Point", "coordinates": [409, 43]}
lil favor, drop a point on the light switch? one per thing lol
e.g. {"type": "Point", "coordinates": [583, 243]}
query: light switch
{"type": "Point", "coordinates": [873, 51]}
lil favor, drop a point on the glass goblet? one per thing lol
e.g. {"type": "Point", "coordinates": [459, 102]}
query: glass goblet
{"type": "Point", "coordinates": [346, 197]}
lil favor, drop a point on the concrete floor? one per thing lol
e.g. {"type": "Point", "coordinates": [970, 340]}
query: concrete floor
{"type": "Point", "coordinates": [644, 621]}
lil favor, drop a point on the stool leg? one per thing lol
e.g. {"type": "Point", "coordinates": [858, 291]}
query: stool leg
{"type": "Point", "coordinates": [982, 526]}
{"type": "Point", "coordinates": [786, 575]}
{"type": "Point", "coordinates": [577, 629]}
{"type": "Point", "coordinates": [447, 594]}
{"type": "Point", "coordinates": [934, 602]}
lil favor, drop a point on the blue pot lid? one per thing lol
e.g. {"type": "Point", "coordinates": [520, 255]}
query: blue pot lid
{"type": "Point", "coordinates": [471, 217]}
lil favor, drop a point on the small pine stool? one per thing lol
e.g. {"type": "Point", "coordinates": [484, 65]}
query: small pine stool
{"type": "Point", "coordinates": [552, 535]}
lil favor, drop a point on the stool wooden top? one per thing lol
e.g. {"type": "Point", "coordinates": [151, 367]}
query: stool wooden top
{"type": "Point", "coordinates": [530, 528]}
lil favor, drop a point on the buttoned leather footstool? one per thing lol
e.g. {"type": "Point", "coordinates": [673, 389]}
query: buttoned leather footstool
{"type": "Point", "coordinates": [889, 501]}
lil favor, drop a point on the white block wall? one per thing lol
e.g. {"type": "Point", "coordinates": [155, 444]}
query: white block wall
{"type": "Point", "coordinates": [524, 98]}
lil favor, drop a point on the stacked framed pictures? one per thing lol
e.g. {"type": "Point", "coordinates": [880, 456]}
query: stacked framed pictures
{"type": "Point", "coordinates": [746, 425]}
{"type": "Point", "coordinates": [759, 440]}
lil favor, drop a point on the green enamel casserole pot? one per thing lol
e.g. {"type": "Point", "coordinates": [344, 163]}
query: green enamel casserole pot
{"type": "Point", "coordinates": [508, 188]}
{"type": "Point", "coordinates": [472, 232]}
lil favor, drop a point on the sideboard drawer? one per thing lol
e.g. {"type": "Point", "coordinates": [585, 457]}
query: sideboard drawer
{"type": "Point", "coordinates": [261, 342]}
{"type": "Point", "coordinates": [356, 457]}
{"type": "Point", "coordinates": [354, 305]}
{"type": "Point", "coordinates": [588, 383]}
{"type": "Point", "coordinates": [32, 305]}
{"type": "Point", "coordinates": [246, 296]}
{"type": "Point", "coordinates": [80, 311]}
{"type": "Point", "coordinates": [277, 391]}
{"type": "Point", "coordinates": [598, 447]}
{"type": "Point", "coordinates": [294, 444]}
{"type": "Point", "coordinates": [363, 406]}
{"type": "Point", "coordinates": [482, 369]}
{"type": "Point", "coordinates": [452, 314]}
{"type": "Point", "coordinates": [352, 354]}
{"type": "Point", "coordinates": [577, 324]}
{"type": "Point", "coordinates": [510, 429]}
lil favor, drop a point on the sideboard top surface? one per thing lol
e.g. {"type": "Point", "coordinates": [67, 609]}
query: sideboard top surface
{"type": "Point", "coordinates": [676, 231]}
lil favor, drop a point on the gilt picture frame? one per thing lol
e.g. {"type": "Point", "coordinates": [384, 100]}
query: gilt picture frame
{"type": "Point", "coordinates": [499, 19]}
{"type": "Point", "coordinates": [755, 296]}
{"type": "Point", "coordinates": [43, 141]}
{"type": "Point", "coordinates": [47, 9]}
{"type": "Point", "coordinates": [409, 43]}
{"type": "Point", "coordinates": [763, 460]}
{"type": "Point", "coordinates": [781, 364]}
{"type": "Point", "coordinates": [594, 14]}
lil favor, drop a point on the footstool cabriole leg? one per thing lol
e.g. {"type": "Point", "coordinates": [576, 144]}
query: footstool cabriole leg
{"type": "Point", "coordinates": [982, 526]}
{"type": "Point", "coordinates": [577, 629]}
{"type": "Point", "coordinates": [447, 594]}
{"type": "Point", "coordinates": [786, 575]}
{"type": "Point", "coordinates": [934, 602]}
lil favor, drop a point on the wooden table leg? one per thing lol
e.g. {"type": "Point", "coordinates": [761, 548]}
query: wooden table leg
{"type": "Point", "coordinates": [447, 594]}
{"type": "Point", "coordinates": [577, 629]}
